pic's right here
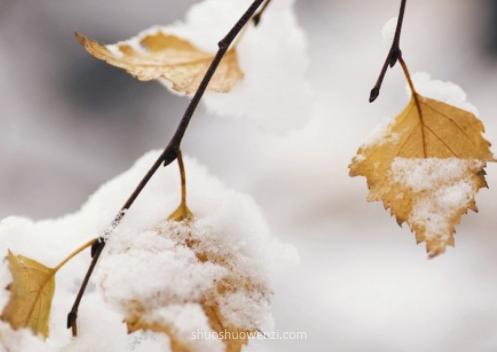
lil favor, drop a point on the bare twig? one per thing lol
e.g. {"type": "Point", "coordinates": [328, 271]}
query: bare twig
{"type": "Point", "coordinates": [393, 55]}
{"type": "Point", "coordinates": [257, 17]}
{"type": "Point", "coordinates": [169, 154]}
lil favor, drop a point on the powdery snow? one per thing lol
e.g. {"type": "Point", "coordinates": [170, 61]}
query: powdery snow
{"type": "Point", "coordinates": [380, 136]}
{"type": "Point", "coordinates": [388, 30]}
{"type": "Point", "coordinates": [443, 187]}
{"type": "Point", "coordinates": [149, 259]}
{"type": "Point", "coordinates": [446, 92]}
{"type": "Point", "coordinates": [263, 66]}
{"type": "Point", "coordinates": [273, 78]}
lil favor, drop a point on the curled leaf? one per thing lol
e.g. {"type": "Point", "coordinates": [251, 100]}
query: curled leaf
{"type": "Point", "coordinates": [427, 167]}
{"type": "Point", "coordinates": [161, 56]}
{"type": "Point", "coordinates": [31, 294]}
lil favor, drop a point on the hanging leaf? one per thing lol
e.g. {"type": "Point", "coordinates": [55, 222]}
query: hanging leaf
{"type": "Point", "coordinates": [165, 57]}
{"type": "Point", "coordinates": [31, 293]}
{"type": "Point", "coordinates": [427, 167]}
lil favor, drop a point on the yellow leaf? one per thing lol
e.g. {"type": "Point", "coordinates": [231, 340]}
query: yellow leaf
{"type": "Point", "coordinates": [161, 56]}
{"type": "Point", "coordinates": [31, 293]}
{"type": "Point", "coordinates": [427, 167]}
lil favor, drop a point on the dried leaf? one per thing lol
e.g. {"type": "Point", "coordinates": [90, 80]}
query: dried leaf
{"type": "Point", "coordinates": [161, 56]}
{"type": "Point", "coordinates": [427, 167]}
{"type": "Point", "coordinates": [234, 339]}
{"type": "Point", "coordinates": [31, 293]}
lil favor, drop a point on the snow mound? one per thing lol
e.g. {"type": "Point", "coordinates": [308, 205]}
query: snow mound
{"type": "Point", "coordinates": [281, 72]}
{"type": "Point", "coordinates": [169, 267]}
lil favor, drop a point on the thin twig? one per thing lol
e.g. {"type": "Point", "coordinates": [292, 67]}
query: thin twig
{"type": "Point", "coordinates": [257, 17]}
{"type": "Point", "coordinates": [393, 55]}
{"type": "Point", "coordinates": [169, 154]}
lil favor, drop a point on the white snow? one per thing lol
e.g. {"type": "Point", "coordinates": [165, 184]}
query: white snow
{"type": "Point", "coordinates": [388, 30]}
{"type": "Point", "coordinates": [273, 78]}
{"type": "Point", "coordinates": [446, 92]}
{"type": "Point", "coordinates": [443, 188]}
{"type": "Point", "coordinates": [152, 261]}
{"type": "Point", "coordinates": [380, 135]}
{"type": "Point", "coordinates": [188, 322]}
{"type": "Point", "coordinates": [425, 174]}
{"type": "Point", "coordinates": [301, 181]}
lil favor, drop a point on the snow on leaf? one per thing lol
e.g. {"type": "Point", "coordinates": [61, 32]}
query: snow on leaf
{"type": "Point", "coordinates": [157, 55]}
{"type": "Point", "coordinates": [427, 168]}
{"type": "Point", "coordinates": [209, 273]}
{"type": "Point", "coordinates": [230, 299]}
{"type": "Point", "coordinates": [32, 291]}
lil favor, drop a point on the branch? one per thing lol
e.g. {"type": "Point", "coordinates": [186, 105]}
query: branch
{"type": "Point", "coordinates": [393, 55]}
{"type": "Point", "coordinates": [169, 154]}
{"type": "Point", "coordinates": [257, 17]}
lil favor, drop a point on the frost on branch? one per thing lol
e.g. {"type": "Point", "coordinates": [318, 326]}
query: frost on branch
{"type": "Point", "coordinates": [428, 164]}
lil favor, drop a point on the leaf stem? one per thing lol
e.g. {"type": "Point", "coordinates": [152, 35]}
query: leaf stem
{"type": "Point", "coordinates": [169, 154]}
{"type": "Point", "coordinates": [407, 74]}
{"type": "Point", "coordinates": [393, 55]}
{"type": "Point", "coordinates": [182, 173]}
{"type": "Point", "coordinates": [182, 212]}
{"type": "Point", "coordinates": [74, 253]}
{"type": "Point", "coordinates": [415, 96]}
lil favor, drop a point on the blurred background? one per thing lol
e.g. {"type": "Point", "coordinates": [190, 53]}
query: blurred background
{"type": "Point", "coordinates": [68, 123]}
